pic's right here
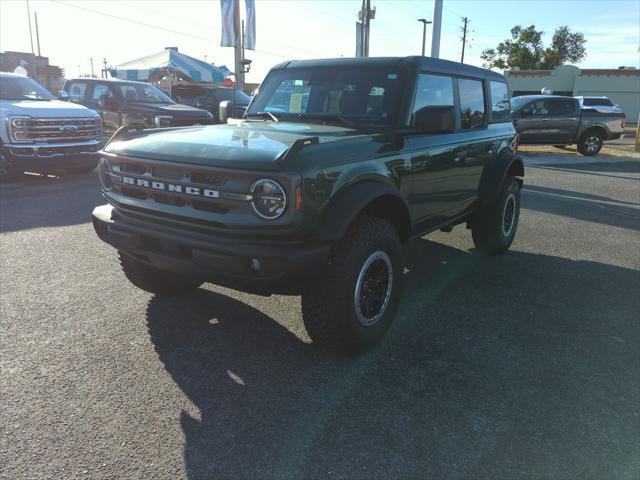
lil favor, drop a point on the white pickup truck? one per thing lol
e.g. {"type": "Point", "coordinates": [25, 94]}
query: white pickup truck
{"type": "Point", "coordinates": [40, 133]}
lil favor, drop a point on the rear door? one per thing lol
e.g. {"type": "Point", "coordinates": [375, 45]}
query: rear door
{"type": "Point", "coordinates": [476, 143]}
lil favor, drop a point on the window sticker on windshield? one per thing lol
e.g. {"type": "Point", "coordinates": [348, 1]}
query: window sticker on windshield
{"type": "Point", "coordinates": [298, 82]}
{"type": "Point", "coordinates": [295, 104]}
{"type": "Point", "coordinates": [392, 76]}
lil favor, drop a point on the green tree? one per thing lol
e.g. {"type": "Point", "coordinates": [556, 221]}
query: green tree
{"type": "Point", "coordinates": [525, 49]}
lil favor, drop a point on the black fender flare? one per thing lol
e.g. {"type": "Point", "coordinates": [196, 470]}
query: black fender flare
{"type": "Point", "coordinates": [495, 173]}
{"type": "Point", "coordinates": [382, 200]}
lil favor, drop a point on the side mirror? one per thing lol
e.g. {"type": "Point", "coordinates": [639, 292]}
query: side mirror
{"type": "Point", "coordinates": [435, 119]}
{"type": "Point", "coordinates": [64, 96]}
{"type": "Point", "coordinates": [525, 112]}
{"type": "Point", "coordinates": [224, 111]}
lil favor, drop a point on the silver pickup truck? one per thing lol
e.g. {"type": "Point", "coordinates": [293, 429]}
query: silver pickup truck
{"type": "Point", "coordinates": [556, 120]}
{"type": "Point", "coordinates": [40, 133]}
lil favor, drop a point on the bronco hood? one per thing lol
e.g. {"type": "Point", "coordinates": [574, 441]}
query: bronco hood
{"type": "Point", "coordinates": [251, 145]}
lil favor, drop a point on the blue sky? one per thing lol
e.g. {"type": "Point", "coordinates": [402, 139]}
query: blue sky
{"type": "Point", "coordinates": [72, 31]}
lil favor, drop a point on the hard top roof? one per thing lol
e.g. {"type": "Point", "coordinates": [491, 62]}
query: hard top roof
{"type": "Point", "coordinates": [545, 97]}
{"type": "Point", "coordinates": [426, 64]}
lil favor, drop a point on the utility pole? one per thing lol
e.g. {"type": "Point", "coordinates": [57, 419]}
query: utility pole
{"type": "Point", "coordinates": [238, 49]}
{"type": "Point", "coordinates": [35, 14]}
{"type": "Point", "coordinates": [465, 20]}
{"type": "Point", "coordinates": [366, 15]}
{"type": "Point", "coordinates": [93, 75]}
{"type": "Point", "coordinates": [104, 71]}
{"type": "Point", "coordinates": [437, 27]}
{"type": "Point", "coordinates": [30, 32]}
{"type": "Point", "coordinates": [424, 31]}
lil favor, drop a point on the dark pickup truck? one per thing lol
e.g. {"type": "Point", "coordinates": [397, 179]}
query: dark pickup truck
{"type": "Point", "coordinates": [315, 196]}
{"type": "Point", "coordinates": [560, 121]}
{"type": "Point", "coordinates": [133, 104]}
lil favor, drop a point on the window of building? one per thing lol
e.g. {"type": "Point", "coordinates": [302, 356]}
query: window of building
{"type": "Point", "coordinates": [472, 112]}
{"type": "Point", "coordinates": [499, 102]}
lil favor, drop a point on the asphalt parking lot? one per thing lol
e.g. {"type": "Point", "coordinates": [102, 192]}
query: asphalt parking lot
{"type": "Point", "coordinates": [524, 365]}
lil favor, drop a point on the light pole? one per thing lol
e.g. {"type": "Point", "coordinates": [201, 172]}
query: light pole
{"type": "Point", "coordinates": [424, 31]}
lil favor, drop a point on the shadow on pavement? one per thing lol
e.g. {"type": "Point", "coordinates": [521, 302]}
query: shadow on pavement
{"type": "Point", "coordinates": [595, 168]}
{"type": "Point", "coordinates": [592, 208]}
{"type": "Point", "coordinates": [31, 201]}
{"type": "Point", "coordinates": [503, 367]}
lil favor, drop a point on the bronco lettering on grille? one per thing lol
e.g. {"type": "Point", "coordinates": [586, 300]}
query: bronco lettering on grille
{"type": "Point", "coordinates": [171, 187]}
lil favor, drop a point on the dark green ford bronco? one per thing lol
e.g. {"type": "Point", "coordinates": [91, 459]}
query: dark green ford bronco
{"type": "Point", "coordinates": [335, 165]}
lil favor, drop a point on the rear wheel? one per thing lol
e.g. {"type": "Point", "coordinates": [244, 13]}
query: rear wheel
{"type": "Point", "coordinates": [355, 301]}
{"type": "Point", "coordinates": [155, 280]}
{"type": "Point", "coordinates": [590, 143]}
{"type": "Point", "coordinates": [494, 226]}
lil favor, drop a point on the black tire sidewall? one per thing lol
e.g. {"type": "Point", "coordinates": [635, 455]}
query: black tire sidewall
{"type": "Point", "coordinates": [582, 148]}
{"type": "Point", "coordinates": [358, 334]}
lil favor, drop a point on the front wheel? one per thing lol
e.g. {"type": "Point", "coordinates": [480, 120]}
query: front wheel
{"type": "Point", "coordinates": [80, 170]}
{"type": "Point", "coordinates": [155, 280]}
{"type": "Point", "coordinates": [494, 226]}
{"type": "Point", "coordinates": [356, 299]}
{"type": "Point", "coordinates": [7, 172]}
{"type": "Point", "coordinates": [590, 144]}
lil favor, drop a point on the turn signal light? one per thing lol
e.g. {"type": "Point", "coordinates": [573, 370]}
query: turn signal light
{"type": "Point", "coordinates": [299, 197]}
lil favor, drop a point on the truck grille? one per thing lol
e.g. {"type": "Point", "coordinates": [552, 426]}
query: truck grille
{"type": "Point", "coordinates": [61, 130]}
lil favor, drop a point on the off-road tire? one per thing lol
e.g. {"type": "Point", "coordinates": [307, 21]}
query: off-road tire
{"type": "Point", "coordinates": [7, 172]}
{"type": "Point", "coordinates": [590, 143]}
{"type": "Point", "coordinates": [81, 170]}
{"type": "Point", "coordinates": [494, 226]}
{"type": "Point", "coordinates": [154, 280]}
{"type": "Point", "coordinates": [329, 310]}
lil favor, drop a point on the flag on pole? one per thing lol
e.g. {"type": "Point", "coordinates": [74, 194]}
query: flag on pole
{"type": "Point", "coordinates": [230, 15]}
{"type": "Point", "coordinates": [249, 41]}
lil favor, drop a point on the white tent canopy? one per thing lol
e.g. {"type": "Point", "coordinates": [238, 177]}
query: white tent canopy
{"type": "Point", "coordinates": [169, 61]}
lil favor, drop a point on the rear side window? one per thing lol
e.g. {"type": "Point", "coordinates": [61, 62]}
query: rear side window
{"type": "Point", "coordinates": [560, 107]}
{"type": "Point", "coordinates": [499, 102]}
{"type": "Point", "coordinates": [592, 102]}
{"type": "Point", "coordinates": [434, 90]}
{"type": "Point", "coordinates": [77, 91]}
{"type": "Point", "coordinates": [472, 112]}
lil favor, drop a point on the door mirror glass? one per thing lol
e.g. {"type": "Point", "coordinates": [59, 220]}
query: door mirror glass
{"type": "Point", "coordinates": [224, 111]}
{"type": "Point", "coordinates": [435, 119]}
{"type": "Point", "coordinates": [64, 96]}
{"type": "Point", "coordinates": [526, 111]}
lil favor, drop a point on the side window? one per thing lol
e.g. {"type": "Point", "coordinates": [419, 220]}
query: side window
{"type": "Point", "coordinates": [472, 113]}
{"type": "Point", "coordinates": [539, 107]}
{"type": "Point", "coordinates": [77, 91]}
{"type": "Point", "coordinates": [433, 90]}
{"type": "Point", "coordinates": [499, 102]}
{"type": "Point", "coordinates": [99, 90]}
{"type": "Point", "coordinates": [128, 92]}
{"type": "Point", "coordinates": [560, 106]}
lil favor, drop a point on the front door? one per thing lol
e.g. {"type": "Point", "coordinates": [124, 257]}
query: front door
{"type": "Point", "coordinates": [104, 100]}
{"type": "Point", "coordinates": [548, 121]}
{"type": "Point", "coordinates": [435, 196]}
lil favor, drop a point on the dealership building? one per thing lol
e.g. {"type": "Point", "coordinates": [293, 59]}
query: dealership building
{"type": "Point", "coordinates": [622, 85]}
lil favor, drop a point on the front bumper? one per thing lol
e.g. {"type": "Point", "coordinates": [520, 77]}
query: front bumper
{"type": "Point", "coordinates": [286, 267]}
{"type": "Point", "coordinates": [51, 157]}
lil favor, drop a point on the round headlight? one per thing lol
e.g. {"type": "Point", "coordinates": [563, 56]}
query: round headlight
{"type": "Point", "coordinates": [269, 200]}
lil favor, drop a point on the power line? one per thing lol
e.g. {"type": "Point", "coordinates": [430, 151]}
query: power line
{"type": "Point", "coordinates": [136, 22]}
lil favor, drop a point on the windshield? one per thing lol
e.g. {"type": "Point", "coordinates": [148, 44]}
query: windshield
{"type": "Point", "coordinates": [22, 88]}
{"type": "Point", "coordinates": [145, 93]}
{"type": "Point", "coordinates": [372, 94]}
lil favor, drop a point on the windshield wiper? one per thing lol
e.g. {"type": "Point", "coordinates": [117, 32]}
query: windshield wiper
{"type": "Point", "coordinates": [262, 115]}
